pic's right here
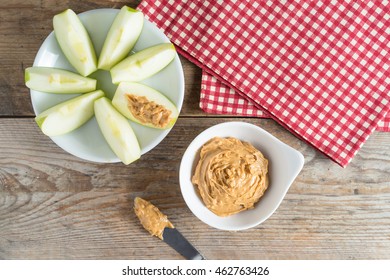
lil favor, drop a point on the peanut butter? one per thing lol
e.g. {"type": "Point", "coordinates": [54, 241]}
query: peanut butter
{"type": "Point", "coordinates": [151, 217]}
{"type": "Point", "coordinates": [148, 112]}
{"type": "Point", "coordinates": [231, 175]}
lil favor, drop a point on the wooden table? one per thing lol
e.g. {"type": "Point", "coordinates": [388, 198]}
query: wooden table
{"type": "Point", "coordinates": [56, 206]}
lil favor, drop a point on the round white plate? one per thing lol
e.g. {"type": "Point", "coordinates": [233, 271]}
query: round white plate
{"type": "Point", "coordinates": [285, 163]}
{"type": "Point", "coordinates": [87, 142]}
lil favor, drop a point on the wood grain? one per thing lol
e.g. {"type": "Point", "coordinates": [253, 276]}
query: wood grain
{"type": "Point", "coordinates": [56, 206]}
{"type": "Point", "coordinates": [53, 205]}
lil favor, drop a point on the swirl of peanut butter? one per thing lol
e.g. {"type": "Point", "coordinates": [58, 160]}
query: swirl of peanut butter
{"type": "Point", "coordinates": [231, 175]}
{"type": "Point", "coordinates": [151, 217]}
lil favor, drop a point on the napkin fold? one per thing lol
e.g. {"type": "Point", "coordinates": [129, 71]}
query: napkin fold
{"type": "Point", "coordinates": [319, 68]}
{"type": "Point", "coordinates": [217, 98]}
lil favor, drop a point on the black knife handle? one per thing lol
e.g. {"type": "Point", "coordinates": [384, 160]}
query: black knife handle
{"type": "Point", "coordinates": [178, 242]}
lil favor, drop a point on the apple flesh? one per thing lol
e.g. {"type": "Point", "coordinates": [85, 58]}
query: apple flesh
{"type": "Point", "coordinates": [117, 131]}
{"type": "Point", "coordinates": [121, 37]}
{"type": "Point", "coordinates": [54, 80]}
{"type": "Point", "coordinates": [143, 64]}
{"type": "Point", "coordinates": [69, 115]}
{"type": "Point", "coordinates": [121, 102]}
{"type": "Point", "coordinates": [74, 42]}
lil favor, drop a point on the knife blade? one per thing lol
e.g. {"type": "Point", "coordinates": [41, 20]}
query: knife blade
{"type": "Point", "coordinates": [154, 221]}
{"type": "Point", "coordinates": [177, 241]}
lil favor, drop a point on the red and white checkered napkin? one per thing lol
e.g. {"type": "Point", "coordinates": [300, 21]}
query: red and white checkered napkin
{"type": "Point", "coordinates": [320, 68]}
{"type": "Point", "coordinates": [217, 98]}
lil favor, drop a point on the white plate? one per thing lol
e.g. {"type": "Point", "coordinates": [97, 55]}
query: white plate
{"type": "Point", "coordinates": [285, 163]}
{"type": "Point", "coordinates": [87, 142]}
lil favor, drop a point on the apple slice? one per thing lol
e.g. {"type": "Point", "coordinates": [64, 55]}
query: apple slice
{"type": "Point", "coordinates": [74, 41]}
{"type": "Point", "coordinates": [54, 80]}
{"type": "Point", "coordinates": [143, 64]}
{"type": "Point", "coordinates": [69, 115]}
{"type": "Point", "coordinates": [117, 131]}
{"type": "Point", "coordinates": [121, 37]}
{"type": "Point", "coordinates": [145, 105]}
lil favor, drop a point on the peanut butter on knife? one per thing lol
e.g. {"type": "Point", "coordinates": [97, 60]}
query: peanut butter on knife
{"type": "Point", "coordinates": [151, 217]}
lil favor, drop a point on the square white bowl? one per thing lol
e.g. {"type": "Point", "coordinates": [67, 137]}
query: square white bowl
{"type": "Point", "coordinates": [285, 163]}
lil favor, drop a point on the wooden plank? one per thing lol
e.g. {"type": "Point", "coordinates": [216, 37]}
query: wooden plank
{"type": "Point", "coordinates": [56, 206]}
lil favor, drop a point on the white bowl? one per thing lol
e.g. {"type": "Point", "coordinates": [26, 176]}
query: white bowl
{"type": "Point", "coordinates": [87, 142]}
{"type": "Point", "coordinates": [285, 163]}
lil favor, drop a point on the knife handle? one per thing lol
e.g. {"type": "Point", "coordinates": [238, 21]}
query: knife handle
{"type": "Point", "coordinates": [177, 241]}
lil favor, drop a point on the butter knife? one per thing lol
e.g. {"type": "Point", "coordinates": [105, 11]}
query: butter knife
{"type": "Point", "coordinates": [177, 241]}
{"type": "Point", "coordinates": [154, 221]}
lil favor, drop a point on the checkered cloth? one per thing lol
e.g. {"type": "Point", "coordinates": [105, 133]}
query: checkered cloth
{"type": "Point", "coordinates": [217, 98]}
{"type": "Point", "coordinates": [320, 68]}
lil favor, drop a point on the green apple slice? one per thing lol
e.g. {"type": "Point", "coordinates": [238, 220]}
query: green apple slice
{"type": "Point", "coordinates": [54, 80]}
{"type": "Point", "coordinates": [145, 105]}
{"type": "Point", "coordinates": [143, 64]}
{"type": "Point", "coordinates": [69, 115]}
{"type": "Point", "coordinates": [74, 41]}
{"type": "Point", "coordinates": [121, 37]}
{"type": "Point", "coordinates": [117, 131]}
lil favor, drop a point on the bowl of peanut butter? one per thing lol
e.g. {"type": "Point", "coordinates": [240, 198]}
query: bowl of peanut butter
{"type": "Point", "coordinates": [234, 175]}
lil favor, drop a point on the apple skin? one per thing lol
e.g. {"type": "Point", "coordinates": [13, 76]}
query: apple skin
{"type": "Point", "coordinates": [120, 101]}
{"type": "Point", "coordinates": [75, 42]}
{"type": "Point", "coordinates": [69, 115]}
{"type": "Point", "coordinates": [117, 131]}
{"type": "Point", "coordinates": [54, 80]}
{"type": "Point", "coordinates": [143, 64]}
{"type": "Point", "coordinates": [121, 38]}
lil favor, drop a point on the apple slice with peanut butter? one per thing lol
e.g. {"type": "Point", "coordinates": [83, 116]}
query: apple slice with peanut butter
{"type": "Point", "coordinates": [145, 105]}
